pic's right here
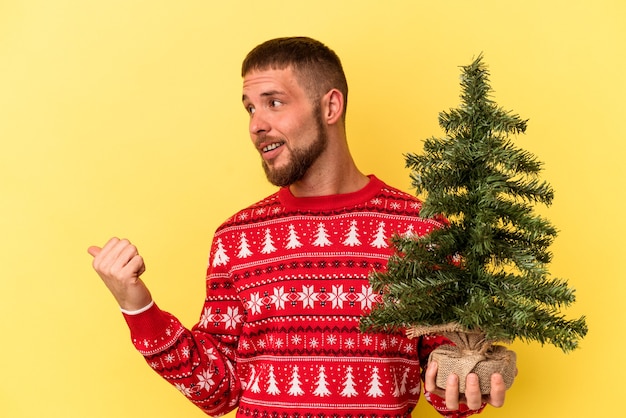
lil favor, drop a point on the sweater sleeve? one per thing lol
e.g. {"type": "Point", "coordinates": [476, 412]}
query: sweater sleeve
{"type": "Point", "coordinates": [199, 362]}
{"type": "Point", "coordinates": [199, 365]}
{"type": "Point", "coordinates": [427, 345]}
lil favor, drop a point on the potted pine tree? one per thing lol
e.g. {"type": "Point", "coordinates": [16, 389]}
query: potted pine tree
{"type": "Point", "coordinates": [483, 279]}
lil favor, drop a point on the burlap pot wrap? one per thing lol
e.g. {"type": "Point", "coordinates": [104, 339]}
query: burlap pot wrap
{"type": "Point", "coordinates": [471, 353]}
{"type": "Point", "coordinates": [451, 359]}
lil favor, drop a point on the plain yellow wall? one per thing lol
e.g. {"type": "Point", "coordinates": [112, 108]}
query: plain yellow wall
{"type": "Point", "coordinates": [123, 117]}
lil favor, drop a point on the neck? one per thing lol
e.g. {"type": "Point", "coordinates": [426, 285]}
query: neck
{"type": "Point", "coordinates": [320, 181]}
{"type": "Point", "coordinates": [333, 172]}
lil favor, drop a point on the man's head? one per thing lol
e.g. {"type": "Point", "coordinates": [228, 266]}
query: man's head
{"type": "Point", "coordinates": [316, 66]}
{"type": "Point", "coordinates": [294, 91]}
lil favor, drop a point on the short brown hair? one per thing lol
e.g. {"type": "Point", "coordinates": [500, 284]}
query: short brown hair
{"type": "Point", "coordinates": [317, 67]}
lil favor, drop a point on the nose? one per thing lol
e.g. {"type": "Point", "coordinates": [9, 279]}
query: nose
{"type": "Point", "coordinates": [258, 123]}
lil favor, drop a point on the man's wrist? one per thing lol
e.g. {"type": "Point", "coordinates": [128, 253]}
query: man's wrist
{"type": "Point", "coordinates": [137, 311]}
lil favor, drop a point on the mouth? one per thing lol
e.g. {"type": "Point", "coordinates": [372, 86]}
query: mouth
{"type": "Point", "coordinates": [271, 147]}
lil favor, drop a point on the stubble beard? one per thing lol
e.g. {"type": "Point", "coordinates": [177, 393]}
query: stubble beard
{"type": "Point", "coordinates": [301, 158]}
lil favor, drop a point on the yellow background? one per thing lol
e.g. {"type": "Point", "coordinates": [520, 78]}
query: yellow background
{"type": "Point", "coordinates": [123, 117]}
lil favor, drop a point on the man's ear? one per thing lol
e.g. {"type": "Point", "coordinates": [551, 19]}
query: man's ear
{"type": "Point", "coordinates": [332, 106]}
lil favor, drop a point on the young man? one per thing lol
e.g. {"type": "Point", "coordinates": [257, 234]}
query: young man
{"type": "Point", "coordinates": [287, 280]}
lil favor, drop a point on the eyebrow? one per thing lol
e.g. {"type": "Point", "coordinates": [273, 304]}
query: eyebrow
{"type": "Point", "coordinates": [269, 93]}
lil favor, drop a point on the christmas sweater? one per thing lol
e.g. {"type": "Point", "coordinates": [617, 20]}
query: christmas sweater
{"type": "Point", "coordinates": [278, 336]}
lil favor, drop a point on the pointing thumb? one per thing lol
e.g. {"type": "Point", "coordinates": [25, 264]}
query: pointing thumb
{"type": "Point", "coordinates": [94, 251]}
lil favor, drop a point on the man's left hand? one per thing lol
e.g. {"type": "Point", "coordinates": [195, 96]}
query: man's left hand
{"type": "Point", "coordinates": [472, 396]}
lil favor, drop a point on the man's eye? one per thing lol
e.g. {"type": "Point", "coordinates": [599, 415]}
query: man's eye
{"type": "Point", "coordinates": [276, 103]}
{"type": "Point", "coordinates": [250, 109]}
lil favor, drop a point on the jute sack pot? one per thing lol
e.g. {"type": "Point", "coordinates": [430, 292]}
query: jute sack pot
{"type": "Point", "coordinates": [471, 353]}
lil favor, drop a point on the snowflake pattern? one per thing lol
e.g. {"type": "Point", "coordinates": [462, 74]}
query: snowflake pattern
{"type": "Point", "coordinates": [210, 353]}
{"type": "Point", "coordinates": [205, 380]}
{"type": "Point", "coordinates": [183, 389]}
{"type": "Point", "coordinates": [349, 343]}
{"type": "Point", "coordinates": [308, 296]}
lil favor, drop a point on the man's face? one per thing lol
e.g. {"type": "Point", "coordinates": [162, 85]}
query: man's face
{"type": "Point", "coordinates": [285, 125]}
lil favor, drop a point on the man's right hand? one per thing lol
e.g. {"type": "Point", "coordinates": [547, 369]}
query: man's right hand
{"type": "Point", "coordinates": [120, 266]}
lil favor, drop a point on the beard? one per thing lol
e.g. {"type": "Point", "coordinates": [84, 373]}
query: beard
{"type": "Point", "coordinates": [301, 158]}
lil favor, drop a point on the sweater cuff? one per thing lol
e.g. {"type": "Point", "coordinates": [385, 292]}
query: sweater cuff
{"type": "Point", "coordinates": [439, 404]}
{"type": "Point", "coordinates": [152, 330]}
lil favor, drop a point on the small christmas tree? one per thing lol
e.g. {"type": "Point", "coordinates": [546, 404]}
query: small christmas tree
{"type": "Point", "coordinates": [483, 278]}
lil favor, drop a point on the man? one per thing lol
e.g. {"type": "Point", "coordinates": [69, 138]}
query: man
{"type": "Point", "coordinates": [287, 278]}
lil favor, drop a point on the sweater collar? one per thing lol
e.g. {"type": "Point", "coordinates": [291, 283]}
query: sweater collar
{"type": "Point", "coordinates": [330, 202]}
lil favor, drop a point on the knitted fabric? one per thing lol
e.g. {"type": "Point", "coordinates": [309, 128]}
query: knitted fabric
{"type": "Point", "coordinates": [279, 335]}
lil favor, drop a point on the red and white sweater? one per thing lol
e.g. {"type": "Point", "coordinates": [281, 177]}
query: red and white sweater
{"type": "Point", "coordinates": [279, 335]}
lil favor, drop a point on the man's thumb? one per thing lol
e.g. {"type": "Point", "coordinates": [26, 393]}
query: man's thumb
{"type": "Point", "coordinates": [94, 251]}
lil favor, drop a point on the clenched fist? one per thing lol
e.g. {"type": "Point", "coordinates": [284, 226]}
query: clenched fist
{"type": "Point", "coordinates": [120, 266]}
